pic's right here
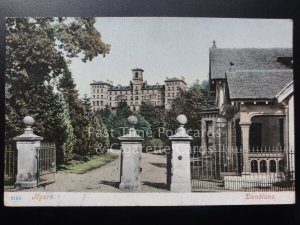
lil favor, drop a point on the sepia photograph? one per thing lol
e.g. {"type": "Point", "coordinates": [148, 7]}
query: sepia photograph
{"type": "Point", "coordinates": [117, 111]}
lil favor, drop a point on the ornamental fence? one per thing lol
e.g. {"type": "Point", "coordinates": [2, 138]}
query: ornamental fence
{"type": "Point", "coordinates": [46, 164]}
{"type": "Point", "coordinates": [266, 169]}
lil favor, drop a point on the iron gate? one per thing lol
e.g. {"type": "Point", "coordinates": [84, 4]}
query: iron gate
{"type": "Point", "coordinates": [10, 165]}
{"type": "Point", "coordinates": [221, 169]}
{"type": "Point", "coordinates": [46, 163]}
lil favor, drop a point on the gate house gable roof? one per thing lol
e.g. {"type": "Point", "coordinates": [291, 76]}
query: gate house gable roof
{"type": "Point", "coordinates": [246, 59]}
{"type": "Point", "coordinates": [257, 84]}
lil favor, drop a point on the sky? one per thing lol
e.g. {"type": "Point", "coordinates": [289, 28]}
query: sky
{"type": "Point", "coordinates": [172, 47]}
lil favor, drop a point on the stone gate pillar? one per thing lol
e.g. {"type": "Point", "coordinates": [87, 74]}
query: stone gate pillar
{"type": "Point", "coordinates": [131, 152]}
{"type": "Point", "coordinates": [181, 167]}
{"type": "Point", "coordinates": [27, 155]}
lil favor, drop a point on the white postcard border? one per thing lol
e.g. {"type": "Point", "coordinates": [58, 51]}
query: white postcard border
{"type": "Point", "coordinates": [146, 199]}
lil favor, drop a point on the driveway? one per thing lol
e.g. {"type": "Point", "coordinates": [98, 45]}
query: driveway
{"type": "Point", "coordinates": [107, 177]}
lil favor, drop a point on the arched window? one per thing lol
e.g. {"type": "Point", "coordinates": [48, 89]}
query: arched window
{"type": "Point", "coordinates": [273, 166]}
{"type": "Point", "coordinates": [263, 166]}
{"type": "Point", "coordinates": [254, 166]}
{"type": "Point", "coordinates": [136, 75]}
{"type": "Point", "coordinates": [281, 166]}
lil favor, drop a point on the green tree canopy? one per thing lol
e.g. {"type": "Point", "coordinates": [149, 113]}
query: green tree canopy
{"type": "Point", "coordinates": [155, 116]}
{"type": "Point", "coordinates": [190, 103]}
{"type": "Point", "coordinates": [37, 53]}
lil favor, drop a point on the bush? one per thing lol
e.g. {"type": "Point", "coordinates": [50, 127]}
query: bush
{"type": "Point", "coordinates": [154, 145]}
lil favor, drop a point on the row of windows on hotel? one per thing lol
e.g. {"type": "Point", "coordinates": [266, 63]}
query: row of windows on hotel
{"type": "Point", "coordinates": [101, 103]}
{"type": "Point", "coordinates": [167, 84]}
{"type": "Point", "coordinates": [173, 89]}
{"type": "Point", "coordinates": [98, 86]}
{"type": "Point", "coordinates": [261, 166]}
{"type": "Point", "coordinates": [130, 92]}
{"type": "Point", "coordinates": [136, 97]}
{"type": "Point", "coordinates": [126, 92]}
{"type": "Point", "coordinates": [172, 83]}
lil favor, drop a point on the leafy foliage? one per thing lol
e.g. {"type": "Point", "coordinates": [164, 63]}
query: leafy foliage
{"type": "Point", "coordinates": [36, 56]}
{"type": "Point", "coordinates": [154, 115]}
{"type": "Point", "coordinates": [143, 127]}
{"type": "Point", "coordinates": [67, 136]}
{"type": "Point", "coordinates": [190, 103]}
{"type": "Point", "coordinates": [98, 138]}
{"type": "Point", "coordinates": [117, 123]}
{"type": "Point", "coordinates": [76, 108]}
{"type": "Point", "coordinates": [154, 144]}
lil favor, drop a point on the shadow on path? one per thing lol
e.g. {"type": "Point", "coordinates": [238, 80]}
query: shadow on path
{"type": "Point", "coordinates": [114, 184]}
{"type": "Point", "coordinates": [161, 165]}
{"type": "Point", "coordinates": [156, 185]}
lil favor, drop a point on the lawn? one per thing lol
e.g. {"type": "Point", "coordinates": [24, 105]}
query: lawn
{"type": "Point", "coordinates": [80, 167]}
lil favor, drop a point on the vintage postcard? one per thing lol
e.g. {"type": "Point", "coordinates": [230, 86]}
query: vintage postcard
{"type": "Point", "coordinates": [117, 111]}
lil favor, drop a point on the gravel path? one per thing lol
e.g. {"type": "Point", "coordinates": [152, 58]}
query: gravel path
{"type": "Point", "coordinates": [107, 178]}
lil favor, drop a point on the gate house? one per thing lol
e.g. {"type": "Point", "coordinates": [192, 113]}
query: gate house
{"type": "Point", "coordinates": [254, 95]}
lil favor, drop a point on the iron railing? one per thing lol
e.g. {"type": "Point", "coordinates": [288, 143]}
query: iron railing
{"type": "Point", "coordinates": [10, 165]}
{"type": "Point", "coordinates": [270, 169]}
{"type": "Point", "coordinates": [46, 163]}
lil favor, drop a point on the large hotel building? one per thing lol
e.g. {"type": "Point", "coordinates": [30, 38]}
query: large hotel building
{"type": "Point", "coordinates": [138, 91]}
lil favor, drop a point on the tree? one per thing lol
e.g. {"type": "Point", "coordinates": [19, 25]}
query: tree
{"type": "Point", "coordinates": [117, 122]}
{"type": "Point", "coordinates": [87, 106]}
{"type": "Point", "coordinates": [123, 110]}
{"type": "Point", "coordinates": [98, 135]}
{"type": "Point", "coordinates": [52, 120]}
{"type": "Point", "coordinates": [155, 116]}
{"type": "Point", "coordinates": [116, 126]}
{"type": "Point", "coordinates": [13, 126]}
{"type": "Point", "coordinates": [35, 47]}
{"type": "Point", "coordinates": [36, 52]}
{"type": "Point", "coordinates": [79, 121]}
{"type": "Point", "coordinates": [143, 127]}
{"type": "Point", "coordinates": [105, 113]}
{"type": "Point", "coordinates": [190, 103]}
{"type": "Point", "coordinates": [67, 135]}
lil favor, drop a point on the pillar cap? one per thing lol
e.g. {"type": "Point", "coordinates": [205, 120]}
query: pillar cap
{"type": "Point", "coordinates": [25, 137]}
{"type": "Point", "coordinates": [132, 135]}
{"type": "Point", "coordinates": [28, 121]}
{"type": "Point", "coordinates": [181, 119]}
{"type": "Point", "coordinates": [181, 132]}
{"type": "Point", "coordinates": [28, 134]}
{"type": "Point", "coordinates": [132, 121]}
